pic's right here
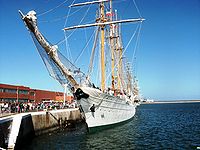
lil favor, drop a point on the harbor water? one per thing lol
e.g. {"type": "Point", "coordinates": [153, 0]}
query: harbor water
{"type": "Point", "coordinates": [155, 126]}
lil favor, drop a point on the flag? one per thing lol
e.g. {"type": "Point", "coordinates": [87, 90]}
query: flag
{"type": "Point", "coordinates": [109, 14]}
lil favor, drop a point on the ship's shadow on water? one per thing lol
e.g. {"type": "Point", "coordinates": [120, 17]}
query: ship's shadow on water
{"type": "Point", "coordinates": [61, 139]}
{"type": "Point", "coordinates": [155, 126]}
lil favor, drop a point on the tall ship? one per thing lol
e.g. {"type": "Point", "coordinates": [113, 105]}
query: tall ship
{"type": "Point", "coordinates": [114, 100]}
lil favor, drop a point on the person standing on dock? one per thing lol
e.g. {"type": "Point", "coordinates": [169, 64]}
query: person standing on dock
{"type": "Point", "coordinates": [92, 109]}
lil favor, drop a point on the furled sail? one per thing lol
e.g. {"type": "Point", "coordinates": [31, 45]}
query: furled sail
{"type": "Point", "coordinates": [59, 67]}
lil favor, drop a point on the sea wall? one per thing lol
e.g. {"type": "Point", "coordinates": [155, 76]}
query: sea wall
{"type": "Point", "coordinates": [21, 128]}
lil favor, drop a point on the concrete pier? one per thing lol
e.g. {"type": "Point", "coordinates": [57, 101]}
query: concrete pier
{"type": "Point", "coordinates": [17, 129]}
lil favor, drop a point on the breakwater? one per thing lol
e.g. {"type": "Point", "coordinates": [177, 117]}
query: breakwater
{"type": "Point", "coordinates": [17, 129]}
{"type": "Point", "coordinates": [172, 102]}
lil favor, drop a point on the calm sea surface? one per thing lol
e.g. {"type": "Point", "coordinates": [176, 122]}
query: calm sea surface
{"type": "Point", "coordinates": [155, 126]}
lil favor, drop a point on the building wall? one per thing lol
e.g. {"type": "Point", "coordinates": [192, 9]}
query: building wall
{"type": "Point", "coordinates": [14, 93]}
{"type": "Point", "coordinates": [41, 95]}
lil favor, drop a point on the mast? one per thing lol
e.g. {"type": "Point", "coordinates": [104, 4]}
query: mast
{"type": "Point", "coordinates": [120, 62]}
{"type": "Point", "coordinates": [119, 67]}
{"type": "Point", "coordinates": [112, 49]}
{"type": "Point", "coordinates": [119, 50]}
{"type": "Point", "coordinates": [129, 79]}
{"type": "Point", "coordinates": [102, 19]}
{"type": "Point", "coordinates": [135, 89]}
{"type": "Point", "coordinates": [114, 44]}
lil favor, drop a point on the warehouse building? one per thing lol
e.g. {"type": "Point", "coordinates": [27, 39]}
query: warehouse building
{"type": "Point", "coordinates": [15, 93]}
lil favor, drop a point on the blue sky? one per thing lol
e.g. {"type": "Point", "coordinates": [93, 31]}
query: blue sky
{"type": "Point", "coordinates": [168, 58]}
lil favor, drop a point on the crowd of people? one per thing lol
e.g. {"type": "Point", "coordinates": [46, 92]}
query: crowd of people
{"type": "Point", "coordinates": [14, 107]}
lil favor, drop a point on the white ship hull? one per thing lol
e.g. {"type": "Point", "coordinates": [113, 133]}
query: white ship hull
{"type": "Point", "coordinates": [109, 110]}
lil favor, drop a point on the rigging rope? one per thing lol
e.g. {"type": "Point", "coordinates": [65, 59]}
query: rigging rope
{"type": "Point", "coordinates": [68, 14]}
{"type": "Point", "coordinates": [52, 9]}
{"type": "Point", "coordinates": [60, 18]}
{"type": "Point", "coordinates": [65, 38]}
{"type": "Point", "coordinates": [79, 22]}
{"type": "Point", "coordinates": [93, 51]}
{"type": "Point", "coordinates": [99, 66]}
{"type": "Point", "coordinates": [137, 9]}
{"type": "Point", "coordinates": [136, 45]}
{"type": "Point", "coordinates": [84, 48]}
{"type": "Point", "coordinates": [68, 49]}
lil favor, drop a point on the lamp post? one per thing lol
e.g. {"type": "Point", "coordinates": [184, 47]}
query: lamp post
{"type": "Point", "coordinates": [34, 95]}
{"type": "Point", "coordinates": [65, 92]}
{"type": "Point", "coordinates": [17, 94]}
